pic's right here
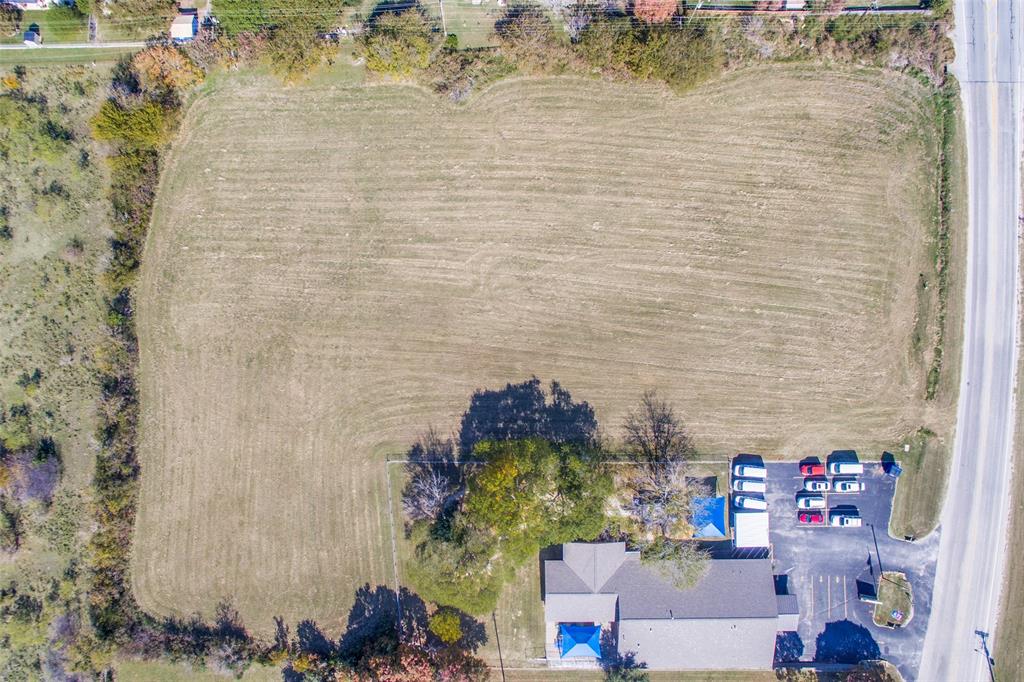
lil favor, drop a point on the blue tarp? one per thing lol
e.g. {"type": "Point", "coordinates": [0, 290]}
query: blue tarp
{"type": "Point", "coordinates": [579, 640]}
{"type": "Point", "coordinates": [707, 516]}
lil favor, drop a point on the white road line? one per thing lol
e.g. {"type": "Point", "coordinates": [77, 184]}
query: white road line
{"type": "Point", "coordinates": [846, 610]}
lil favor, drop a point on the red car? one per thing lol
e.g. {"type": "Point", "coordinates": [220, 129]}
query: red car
{"type": "Point", "coordinates": [812, 469]}
{"type": "Point", "coordinates": [812, 518]}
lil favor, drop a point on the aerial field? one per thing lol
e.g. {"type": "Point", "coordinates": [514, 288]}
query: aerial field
{"type": "Point", "coordinates": [332, 270]}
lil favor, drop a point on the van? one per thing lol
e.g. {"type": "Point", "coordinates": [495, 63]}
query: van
{"type": "Point", "coordinates": [749, 471]}
{"type": "Point", "coordinates": [844, 520]}
{"type": "Point", "coordinates": [745, 485]}
{"type": "Point", "coordinates": [746, 502]}
{"type": "Point", "coordinates": [846, 468]}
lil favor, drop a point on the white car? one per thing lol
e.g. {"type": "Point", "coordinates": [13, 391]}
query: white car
{"type": "Point", "coordinates": [848, 485]}
{"type": "Point", "coordinates": [750, 471]}
{"type": "Point", "coordinates": [747, 502]}
{"type": "Point", "coordinates": [816, 485]}
{"type": "Point", "coordinates": [810, 502]}
{"type": "Point", "coordinates": [849, 468]}
{"type": "Point", "coordinates": [844, 520]}
{"type": "Point", "coordinates": [746, 485]}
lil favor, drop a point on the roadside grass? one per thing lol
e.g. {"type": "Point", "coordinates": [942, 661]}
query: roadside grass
{"type": "Point", "coordinates": [937, 335]}
{"type": "Point", "coordinates": [1008, 645]}
{"type": "Point", "coordinates": [895, 594]}
{"type": "Point", "coordinates": [921, 488]}
{"type": "Point", "coordinates": [51, 57]}
{"type": "Point", "coordinates": [59, 24]}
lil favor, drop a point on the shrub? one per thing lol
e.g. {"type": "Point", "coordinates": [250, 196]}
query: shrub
{"type": "Point", "coordinates": [654, 11]}
{"type": "Point", "coordinates": [446, 625]}
{"type": "Point", "coordinates": [10, 19]}
{"type": "Point", "coordinates": [397, 43]}
{"type": "Point", "coordinates": [143, 126]}
{"type": "Point", "coordinates": [164, 68]}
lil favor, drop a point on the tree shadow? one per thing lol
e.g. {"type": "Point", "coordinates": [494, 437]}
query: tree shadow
{"type": "Point", "coordinates": [524, 411]}
{"type": "Point", "coordinates": [615, 663]}
{"type": "Point", "coordinates": [474, 632]}
{"type": "Point", "coordinates": [372, 625]}
{"type": "Point", "coordinates": [788, 648]}
{"type": "Point", "coordinates": [845, 642]}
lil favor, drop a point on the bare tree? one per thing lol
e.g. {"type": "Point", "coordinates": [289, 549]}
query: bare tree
{"type": "Point", "coordinates": [433, 477]}
{"type": "Point", "coordinates": [577, 18]}
{"type": "Point", "coordinates": [654, 433]}
{"type": "Point", "coordinates": [682, 563]}
{"type": "Point", "coordinates": [663, 493]}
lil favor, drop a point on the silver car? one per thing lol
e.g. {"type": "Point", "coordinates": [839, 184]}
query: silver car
{"type": "Point", "coordinates": [848, 485]}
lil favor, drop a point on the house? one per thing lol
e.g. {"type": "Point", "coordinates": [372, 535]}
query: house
{"type": "Point", "coordinates": [185, 26]}
{"type": "Point", "coordinates": [33, 37]}
{"type": "Point", "coordinates": [28, 4]}
{"type": "Point", "coordinates": [707, 516]}
{"type": "Point", "coordinates": [600, 601]}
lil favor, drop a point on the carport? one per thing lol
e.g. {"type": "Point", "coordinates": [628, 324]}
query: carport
{"type": "Point", "coordinates": [751, 528]}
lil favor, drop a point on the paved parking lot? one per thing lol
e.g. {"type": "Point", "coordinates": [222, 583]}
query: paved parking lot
{"type": "Point", "coordinates": [823, 565]}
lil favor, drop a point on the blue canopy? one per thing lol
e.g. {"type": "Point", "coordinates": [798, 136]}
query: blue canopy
{"type": "Point", "coordinates": [579, 640]}
{"type": "Point", "coordinates": [707, 515]}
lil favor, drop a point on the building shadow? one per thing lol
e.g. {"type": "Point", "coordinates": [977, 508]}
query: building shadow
{"type": "Point", "coordinates": [846, 642]}
{"type": "Point", "coordinates": [524, 411]}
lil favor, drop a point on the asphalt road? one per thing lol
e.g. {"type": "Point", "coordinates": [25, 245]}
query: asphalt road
{"type": "Point", "coordinates": [972, 548]}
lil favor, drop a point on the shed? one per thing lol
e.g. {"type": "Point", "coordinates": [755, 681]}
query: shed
{"type": "Point", "coordinates": [33, 37]}
{"type": "Point", "coordinates": [751, 528]}
{"type": "Point", "coordinates": [707, 516]}
{"type": "Point", "coordinates": [576, 641]}
{"type": "Point", "coordinates": [185, 26]}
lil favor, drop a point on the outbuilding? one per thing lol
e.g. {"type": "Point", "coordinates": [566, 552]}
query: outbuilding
{"type": "Point", "coordinates": [751, 528]}
{"type": "Point", "coordinates": [32, 37]}
{"type": "Point", "coordinates": [185, 26]}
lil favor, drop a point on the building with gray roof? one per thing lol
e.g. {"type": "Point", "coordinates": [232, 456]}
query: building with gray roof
{"type": "Point", "coordinates": [729, 620]}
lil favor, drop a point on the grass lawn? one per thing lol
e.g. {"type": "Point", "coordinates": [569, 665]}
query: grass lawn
{"type": "Point", "coordinates": [159, 671]}
{"type": "Point", "coordinates": [473, 24]}
{"type": "Point", "coordinates": [921, 488]}
{"type": "Point", "coordinates": [56, 25]}
{"type": "Point", "coordinates": [895, 593]}
{"type": "Point", "coordinates": [331, 270]}
{"type": "Point", "coordinates": [86, 55]}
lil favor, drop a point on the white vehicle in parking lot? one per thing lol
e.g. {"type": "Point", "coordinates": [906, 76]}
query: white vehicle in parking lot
{"type": "Point", "coordinates": [848, 468]}
{"type": "Point", "coordinates": [816, 485]}
{"type": "Point", "coordinates": [810, 502]}
{"type": "Point", "coordinates": [848, 485]}
{"type": "Point", "coordinates": [747, 502]}
{"type": "Point", "coordinates": [844, 520]}
{"type": "Point", "coordinates": [750, 471]}
{"type": "Point", "coordinates": [745, 485]}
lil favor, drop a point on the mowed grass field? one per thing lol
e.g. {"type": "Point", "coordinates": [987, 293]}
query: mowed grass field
{"type": "Point", "coordinates": [333, 269]}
